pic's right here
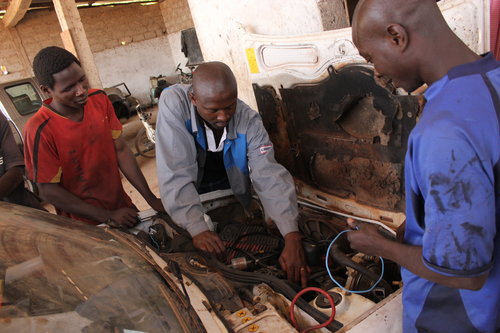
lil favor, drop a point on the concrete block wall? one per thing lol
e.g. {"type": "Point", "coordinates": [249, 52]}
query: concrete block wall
{"type": "Point", "coordinates": [39, 29]}
{"type": "Point", "coordinates": [106, 28]}
{"type": "Point", "coordinates": [109, 27]}
{"type": "Point", "coordinates": [9, 58]}
{"type": "Point", "coordinates": [176, 15]}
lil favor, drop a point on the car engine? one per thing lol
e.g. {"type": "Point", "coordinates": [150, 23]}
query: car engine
{"type": "Point", "coordinates": [248, 275]}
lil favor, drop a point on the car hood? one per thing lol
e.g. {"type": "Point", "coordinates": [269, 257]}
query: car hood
{"type": "Point", "coordinates": [341, 133]}
{"type": "Point", "coordinates": [62, 275]}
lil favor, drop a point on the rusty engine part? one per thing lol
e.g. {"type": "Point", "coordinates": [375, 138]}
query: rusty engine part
{"type": "Point", "coordinates": [346, 135]}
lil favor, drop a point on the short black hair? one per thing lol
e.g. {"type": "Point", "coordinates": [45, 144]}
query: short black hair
{"type": "Point", "coordinates": [49, 61]}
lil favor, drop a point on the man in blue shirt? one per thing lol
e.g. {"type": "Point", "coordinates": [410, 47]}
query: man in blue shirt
{"type": "Point", "coordinates": [450, 257]}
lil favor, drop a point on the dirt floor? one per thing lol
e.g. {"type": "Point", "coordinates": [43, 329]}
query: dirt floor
{"type": "Point", "coordinates": [147, 165]}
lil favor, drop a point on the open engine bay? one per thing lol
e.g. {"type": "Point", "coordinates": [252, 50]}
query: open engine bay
{"type": "Point", "coordinates": [246, 286]}
{"type": "Point", "coordinates": [343, 139]}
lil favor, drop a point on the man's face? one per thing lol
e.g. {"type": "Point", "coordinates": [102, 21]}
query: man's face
{"type": "Point", "coordinates": [216, 109]}
{"type": "Point", "coordinates": [70, 87]}
{"type": "Point", "coordinates": [389, 64]}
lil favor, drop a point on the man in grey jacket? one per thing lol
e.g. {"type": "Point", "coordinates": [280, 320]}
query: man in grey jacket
{"type": "Point", "coordinates": [208, 139]}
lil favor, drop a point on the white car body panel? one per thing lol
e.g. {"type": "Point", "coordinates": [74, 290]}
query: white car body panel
{"type": "Point", "coordinates": [287, 60]}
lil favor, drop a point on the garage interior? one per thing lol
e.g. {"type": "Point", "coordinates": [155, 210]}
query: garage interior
{"type": "Point", "coordinates": [356, 156]}
{"type": "Point", "coordinates": [129, 41]}
{"type": "Point", "coordinates": [135, 42]}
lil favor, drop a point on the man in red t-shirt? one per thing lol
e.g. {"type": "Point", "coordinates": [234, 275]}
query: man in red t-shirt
{"type": "Point", "coordinates": [74, 149]}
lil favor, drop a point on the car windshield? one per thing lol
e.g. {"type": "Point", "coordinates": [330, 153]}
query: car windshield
{"type": "Point", "coordinates": [58, 276]}
{"type": "Point", "coordinates": [24, 97]}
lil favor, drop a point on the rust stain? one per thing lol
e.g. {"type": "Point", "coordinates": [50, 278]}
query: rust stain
{"type": "Point", "coordinates": [314, 111]}
{"type": "Point", "coordinates": [253, 328]}
{"type": "Point", "coordinates": [362, 179]}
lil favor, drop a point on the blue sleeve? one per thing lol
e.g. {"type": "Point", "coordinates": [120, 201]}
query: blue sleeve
{"type": "Point", "coordinates": [457, 183]}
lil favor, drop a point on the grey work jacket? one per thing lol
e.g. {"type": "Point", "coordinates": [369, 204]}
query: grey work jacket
{"type": "Point", "coordinates": [248, 155]}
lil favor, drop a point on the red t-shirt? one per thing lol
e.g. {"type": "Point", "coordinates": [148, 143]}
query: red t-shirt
{"type": "Point", "coordinates": [80, 156]}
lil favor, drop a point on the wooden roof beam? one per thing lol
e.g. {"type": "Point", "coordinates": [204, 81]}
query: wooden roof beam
{"type": "Point", "coordinates": [15, 12]}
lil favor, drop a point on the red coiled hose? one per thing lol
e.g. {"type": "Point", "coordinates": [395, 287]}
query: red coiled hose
{"type": "Point", "coordinates": [302, 292]}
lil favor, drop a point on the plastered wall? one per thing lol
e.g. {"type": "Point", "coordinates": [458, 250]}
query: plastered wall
{"type": "Point", "coordinates": [134, 64]}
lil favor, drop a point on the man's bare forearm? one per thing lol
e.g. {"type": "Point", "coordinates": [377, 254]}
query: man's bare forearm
{"type": "Point", "coordinates": [410, 257]}
{"type": "Point", "coordinates": [10, 180]}
{"type": "Point", "coordinates": [65, 200]}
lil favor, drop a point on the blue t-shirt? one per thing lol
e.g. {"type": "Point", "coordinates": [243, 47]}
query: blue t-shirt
{"type": "Point", "coordinates": [452, 176]}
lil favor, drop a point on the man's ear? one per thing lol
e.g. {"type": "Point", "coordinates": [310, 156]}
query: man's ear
{"type": "Point", "coordinates": [397, 36]}
{"type": "Point", "coordinates": [46, 90]}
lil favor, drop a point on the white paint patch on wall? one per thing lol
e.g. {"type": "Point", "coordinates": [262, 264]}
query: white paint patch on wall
{"type": "Point", "coordinates": [221, 24]}
{"type": "Point", "coordinates": [268, 17]}
{"type": "Point", "coordinates": [174, 39]}
{"type": "Point", "coordinates": [134, 64]}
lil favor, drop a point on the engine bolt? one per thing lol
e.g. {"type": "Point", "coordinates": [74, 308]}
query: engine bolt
{"type": "Point", "coordinates": [253, 328]}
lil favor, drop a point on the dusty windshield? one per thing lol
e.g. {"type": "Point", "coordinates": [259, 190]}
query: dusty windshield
{"type": "Point", "coordinates": [75, 278]}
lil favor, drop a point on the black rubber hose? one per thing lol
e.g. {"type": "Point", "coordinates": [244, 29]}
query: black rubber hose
{"type": "Point", "coordinates": [172, 224]}
{"type": "Point", "coordinates": [340, 258]}
{"type": "Point", "coordinates": [275, 283]}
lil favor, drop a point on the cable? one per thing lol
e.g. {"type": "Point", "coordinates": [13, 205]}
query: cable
{"type": "Point", "coordinates": [389, 230]}
{"type": "Point", "coordinates": [155, 243]}
{"type": "Point", "coordinates": [326, 323]}
{"type": "Point", "coordinates": [338, 284]}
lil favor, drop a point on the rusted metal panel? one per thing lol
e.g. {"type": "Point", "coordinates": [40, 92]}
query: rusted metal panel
{"type": "Point", "coordinates": [346, 135]}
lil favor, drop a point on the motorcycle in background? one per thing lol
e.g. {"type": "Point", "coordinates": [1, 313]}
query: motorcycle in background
{"type": "Point", "coordinates": [145, 138]}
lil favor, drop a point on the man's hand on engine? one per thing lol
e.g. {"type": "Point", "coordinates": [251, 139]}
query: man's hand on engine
{"type": "Point", "coordinates": [292, 259]}
{"type": "Point", "coordinates": [366, 238]}
{"type": "Point", "coordinates": [209, 241]}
